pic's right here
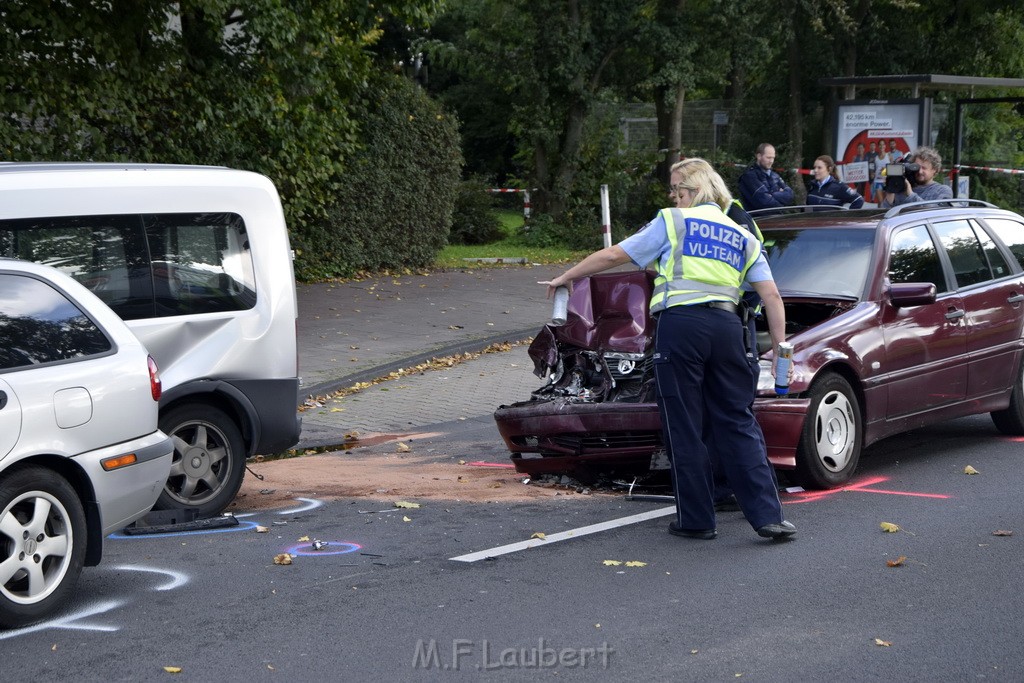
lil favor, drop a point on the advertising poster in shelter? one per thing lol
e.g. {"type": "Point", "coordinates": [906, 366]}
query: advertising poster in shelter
{"type": "Point", "coordinates": [871, 133]}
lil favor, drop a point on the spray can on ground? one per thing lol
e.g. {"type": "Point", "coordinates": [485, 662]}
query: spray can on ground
{"type": "Point", "coordinates": [561, 307]}
{"type": "Point", "coordinates": [784, 356]}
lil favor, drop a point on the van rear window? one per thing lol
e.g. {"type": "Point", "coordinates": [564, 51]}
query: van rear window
{"type": "Point", "coordinates": [146, 265]}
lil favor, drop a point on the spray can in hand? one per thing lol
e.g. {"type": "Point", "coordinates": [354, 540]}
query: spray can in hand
{"type": "Point", "coordinates": [784, 360]}
{"type": "Point", "coordinates": [561, 307]}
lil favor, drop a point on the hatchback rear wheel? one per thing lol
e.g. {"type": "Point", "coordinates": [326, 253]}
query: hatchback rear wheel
{"type": "Point", "coordinates": [830, 445]}
{"type": "Point", "coordinates": [208, 463]}
{"type": "Point", "coordinates": [42, 544]}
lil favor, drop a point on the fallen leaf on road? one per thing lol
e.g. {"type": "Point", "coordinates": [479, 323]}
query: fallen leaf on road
{"type": "Point", "coordinates": [403, 448]}
{"type": "Point", "coordinates": [889, 527]}
{"type": "Point", "coordinates": [1002, 532]}
{"type": "Point", "coordinates": [406, 519]}
{"type": "Point", "coordinates": [540, 535]}
{"type": "Point", "coordinates": [898, 562]}
{"type": "Point", "coordinates": [970, 470]}
{"type": "Point", "coordinates": [636, 563]}
{"type": "Point", "coordinates": [882, 643]}
{"type": "Point", "coordinates": [283, 558]}
{"type": "Point", "coordinates": [403, 504]}
{"type": "Point", "coordinates": [612, 563]}
{"type": "Point", "coordinates": [172, 669]}
{"type": "Point", "coordinates": [262, 529]}
{"type": "Point", "coordinates": [303, 538]}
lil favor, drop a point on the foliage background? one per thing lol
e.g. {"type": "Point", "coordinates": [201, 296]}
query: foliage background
{"type": "Point", "coordinates": [525, 94]}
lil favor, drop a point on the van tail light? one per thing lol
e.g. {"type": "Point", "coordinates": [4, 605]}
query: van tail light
{"type": "Point", "coordinates": [155, 387]}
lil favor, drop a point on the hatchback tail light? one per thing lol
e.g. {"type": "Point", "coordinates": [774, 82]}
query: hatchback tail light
{"type": "Point", "coordinates": [155, 387]}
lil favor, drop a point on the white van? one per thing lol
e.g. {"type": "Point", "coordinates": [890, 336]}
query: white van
{"type": "Point", "coordinates": [197, 261]}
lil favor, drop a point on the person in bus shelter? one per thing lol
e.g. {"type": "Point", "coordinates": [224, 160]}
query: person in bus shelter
{"type": "Point", "coordinates": [826, 189]}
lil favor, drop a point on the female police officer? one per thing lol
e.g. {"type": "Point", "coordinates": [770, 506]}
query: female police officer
{"type": "Point", "coordinates": [700, 362]}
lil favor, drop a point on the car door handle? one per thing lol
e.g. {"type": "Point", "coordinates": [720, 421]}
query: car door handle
{"type": "Point", "coordinates": [3, 399]}
{"type": "Point", "coordinates": [955, 314]}
{"type": "Point", "coordinates": [1015, 298]}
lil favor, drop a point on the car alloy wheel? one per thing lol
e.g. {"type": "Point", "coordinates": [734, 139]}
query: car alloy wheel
{"type": "Point", "coordinates": [42, 544]}
{"type": "Point", "coordinates": [208, 463]}
{"type": "Point", "coordinates": [831, 442]}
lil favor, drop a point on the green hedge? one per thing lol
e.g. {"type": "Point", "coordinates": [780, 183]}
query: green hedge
{"type": "Point", "coordinates": [396, 196]}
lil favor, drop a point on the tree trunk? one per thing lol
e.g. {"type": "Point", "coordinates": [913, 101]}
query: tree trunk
{"type": "Point", "coordinates": [796, 123]}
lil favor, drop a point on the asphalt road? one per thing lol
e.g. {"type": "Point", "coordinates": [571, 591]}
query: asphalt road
{"type": "Point", "coordinates": [385, 601]}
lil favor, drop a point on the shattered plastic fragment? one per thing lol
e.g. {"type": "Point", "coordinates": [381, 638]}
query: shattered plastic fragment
{"type": "Point", "coordinates": [319, 545]}
{"type": "Point", "coordinates": [262, 529]}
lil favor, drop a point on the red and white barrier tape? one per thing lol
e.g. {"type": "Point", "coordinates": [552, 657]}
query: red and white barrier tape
{"type": "Point", "coordinates": [1013, 171]}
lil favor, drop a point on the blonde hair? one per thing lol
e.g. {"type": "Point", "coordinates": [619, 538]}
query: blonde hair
{"type": "Point", "coordinates": [697, 176]}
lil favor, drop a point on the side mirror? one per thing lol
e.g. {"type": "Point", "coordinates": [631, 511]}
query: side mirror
{"type": "Point", "coordinates": [912, 294]}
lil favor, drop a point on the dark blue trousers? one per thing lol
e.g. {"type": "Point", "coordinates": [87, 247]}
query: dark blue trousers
{"type": "Point", "coordinates": [703, 375]}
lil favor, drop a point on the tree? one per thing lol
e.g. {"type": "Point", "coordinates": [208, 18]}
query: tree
{"type": "Point", "coordinates": [268, 87]}
{"type": "Point", "coordinates": [551, 62]}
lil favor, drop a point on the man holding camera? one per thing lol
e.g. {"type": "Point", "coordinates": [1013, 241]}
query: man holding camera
{"type": "Point", "coordinates": [917, 183]}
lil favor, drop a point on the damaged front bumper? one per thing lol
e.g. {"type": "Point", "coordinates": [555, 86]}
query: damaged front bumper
{"type": "Point", "coordinates": [562, 436]}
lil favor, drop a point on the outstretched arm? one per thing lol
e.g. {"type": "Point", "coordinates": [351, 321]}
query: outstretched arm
{"type": "Point", "coordinates": [599, 261]}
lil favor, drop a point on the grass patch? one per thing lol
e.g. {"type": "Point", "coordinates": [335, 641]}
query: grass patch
{"type": "Point", "coordinates": [512, 245]}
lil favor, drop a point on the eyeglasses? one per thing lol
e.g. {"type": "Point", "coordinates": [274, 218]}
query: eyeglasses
{"type": "Point", "coordinates": [675, 189]}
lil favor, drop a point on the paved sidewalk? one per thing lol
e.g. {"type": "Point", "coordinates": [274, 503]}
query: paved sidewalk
{"type": "Point", "coordinates": [356, 331]}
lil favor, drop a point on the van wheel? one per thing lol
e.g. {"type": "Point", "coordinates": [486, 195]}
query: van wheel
{"type": "Point", "coordinates": [208, 463]}
{"type": "Point", "coordinates": [831, 441]}
{"type": "Point", "coordinates": [42, 544]}
{"type": "Point", "coordinates": [1011, 420]}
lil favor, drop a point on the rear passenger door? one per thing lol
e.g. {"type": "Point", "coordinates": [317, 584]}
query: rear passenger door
{"type": "Point", "coordinates": [997, 319]}
{"type": "Point", "coordinates": [925, 346]}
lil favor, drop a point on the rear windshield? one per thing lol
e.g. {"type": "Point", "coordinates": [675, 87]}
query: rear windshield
{"type": "Point", "coordinates": [146, 265]}
{"type": "Point", "coordinates": [820, 262]}
{"type": "Point", "coordinates": [40, 325]}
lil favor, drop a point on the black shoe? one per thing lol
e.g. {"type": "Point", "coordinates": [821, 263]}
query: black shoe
{"type": "Point", "coordinates": [702, 534]}
{"type": "Point", "coordinates": [727, 504]}
{"type": "Point", "coordinates": [777, 532]}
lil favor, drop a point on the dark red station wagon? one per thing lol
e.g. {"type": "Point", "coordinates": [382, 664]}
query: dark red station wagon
{"type": "Point", "coordinates": [899, 319]}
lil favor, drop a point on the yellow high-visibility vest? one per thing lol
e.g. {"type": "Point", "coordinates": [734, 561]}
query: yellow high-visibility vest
{"type": "Point", "coordinates": [709, 258]}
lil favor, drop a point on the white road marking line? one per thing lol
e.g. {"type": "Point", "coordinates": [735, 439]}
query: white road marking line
{"type": "Point", "coordinates": [565, 535]}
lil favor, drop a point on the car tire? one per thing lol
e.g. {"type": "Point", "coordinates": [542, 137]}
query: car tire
{"type": "Point", "coordinates": [42, 544]}
{"type": "Point", "coordinates": [1011, 420]}
{"type": "Point", "coordinates": [833, 434]}
{"type": "Point", "coordinates": [208, 463]}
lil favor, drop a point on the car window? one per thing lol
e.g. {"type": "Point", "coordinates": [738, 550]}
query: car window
{"type": "Point", "coordinates": [104, 253]}
{"type": "Point", "coordinates": [144, 266]}
{"type": "Point", "coordinates": [38, 324]}
{"type": "Point", "coordinates": [820, 261]}
{"type": "Point", "coordinates": [201, 263]}
{"type": "Point", "coordinates": [1010, 233]}
{"type": "Point", "coordinates": [996, 261]}
{"type": "Point", "coordinates": [965, 252]}
{"type": "Point", "coordinates": [914, 258]}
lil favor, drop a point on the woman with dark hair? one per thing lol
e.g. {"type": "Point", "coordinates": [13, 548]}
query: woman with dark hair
{"type": "Point", "coordinates": [826, 189]}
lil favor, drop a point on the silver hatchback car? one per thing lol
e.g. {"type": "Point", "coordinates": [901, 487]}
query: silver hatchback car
{"type": "Point", "coordinates": [80, 452]}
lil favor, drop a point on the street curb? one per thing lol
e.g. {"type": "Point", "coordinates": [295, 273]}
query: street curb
{"type": "Point", "coordinates": [465, 346]}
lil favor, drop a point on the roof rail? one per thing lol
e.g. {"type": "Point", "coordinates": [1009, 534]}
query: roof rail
{"type": "Point", "coordinates": [800, 208]}
{"type": "Point", "coordinates": [937, 204]}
